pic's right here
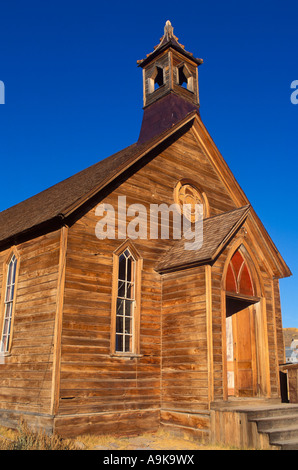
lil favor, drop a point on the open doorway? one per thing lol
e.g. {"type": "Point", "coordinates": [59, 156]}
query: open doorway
{"type": "Point", "coordinates": [241, 347]}
{"type": "Point", "coordinates": [241, 351]}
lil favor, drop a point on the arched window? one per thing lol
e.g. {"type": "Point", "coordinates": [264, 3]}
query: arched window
{"type": "Point", "coordinates": [126, 300]}
{"type": "Point", "coordinates": [9, 299]}
{"type": "Point", "coordinates": [238, 279]}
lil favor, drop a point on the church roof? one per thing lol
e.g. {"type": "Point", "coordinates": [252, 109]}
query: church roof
{"type": "Point", "coordinates": [217, 231]}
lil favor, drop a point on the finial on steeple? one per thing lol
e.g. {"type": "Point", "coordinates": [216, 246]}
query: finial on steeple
{"type": "Point", "coordinates": [168, 30]}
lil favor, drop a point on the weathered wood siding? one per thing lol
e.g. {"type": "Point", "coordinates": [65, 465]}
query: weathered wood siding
{"type": "Point", "coordinates": [26, 374]}
{"type": "Point", "coordinates": [184, 341]}
{"type": "Point", "coordinates": [185, 363]}
{"type": "Point", "coordinates": [92, 381]}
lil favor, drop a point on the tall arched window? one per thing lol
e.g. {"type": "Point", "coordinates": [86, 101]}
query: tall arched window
{"type": "Point", "coordinates": [9, 299]}
{"type": "Point", "coordinates": [126, 300]}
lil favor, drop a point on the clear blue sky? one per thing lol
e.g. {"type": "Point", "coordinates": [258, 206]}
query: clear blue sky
{"type": "Point", "coordinates": [74, 95]}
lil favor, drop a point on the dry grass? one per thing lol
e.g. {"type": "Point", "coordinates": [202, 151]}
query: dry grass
{"type": "Point", "coordinates": [155, 441]}
{"type": "Point", "coordinates": [25, 439]}
{"type": "Point", "coordinates": [160, 440]}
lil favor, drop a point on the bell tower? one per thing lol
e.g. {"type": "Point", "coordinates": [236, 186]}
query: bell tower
{"type": "Point", "coordinates": [170, 68]}
{"type": "Point", "coordinates": [170, 84]}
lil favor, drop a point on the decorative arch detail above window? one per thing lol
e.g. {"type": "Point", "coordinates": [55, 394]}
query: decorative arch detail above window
{"type": "Point", "coordinates": [188, 192]}
{"type": "Point", "coordinates": [238, 278]}
{"type": "Point", "coordinates": [126, 297]}
{"type": "Point", "coordinates": [10, 274]}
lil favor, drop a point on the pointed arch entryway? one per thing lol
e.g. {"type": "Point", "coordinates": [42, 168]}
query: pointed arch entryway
{"type": "Point", "coordinates": [246, 366]}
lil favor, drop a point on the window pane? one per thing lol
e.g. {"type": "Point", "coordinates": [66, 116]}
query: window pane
{"type": "Point", "coordinates": [129, 290]}
{"type": "Point", "coordinates": [14, 271]}
{"type": "Point", "coordinates": [121, 289]}
{"type": "Point", "coordinates": [6, 327]}
{"type": "Point", "coordinates": [129, 265]}
{"type": "Point", "coordinates": [8, 310]}
{"type": "Point", "coordinates": [120, 305]}
{"type": "Point", "coordinates": [122, 267]}
{"type": "Point", "coordinates": [119, 342]}
{"type": "Point", "coordinates": [128, 343]}
{"type": "Point", "coordinates": [119, 324]}
{"type": "Point", "coordinates": [128, 308]}
{"type": "Point", "coordinates": [128, 324]}
{"type": "Point", "coordinates": [9, 294]}
{"type": "Point", "coordinates": [9, 274]}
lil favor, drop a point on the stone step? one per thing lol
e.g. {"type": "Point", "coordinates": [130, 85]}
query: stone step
{"type": "Point", "coordinates": [266, 412]}
{"type": "Point", "coordinates": [282, 434]}
{"type": "Point", "coordinates": [273, 425]}
{"type": "Point", "coordinates": [276, 422]}
{"type": "Point", "coordinates": [280, 424]}
{"type": "Point", "coordinates": [290, 444]}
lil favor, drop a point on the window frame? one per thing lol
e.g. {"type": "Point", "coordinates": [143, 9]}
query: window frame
{"type": "Point", "coordinates": [4, 302]}
{"type": "Point", "coordinates": [136, 302]}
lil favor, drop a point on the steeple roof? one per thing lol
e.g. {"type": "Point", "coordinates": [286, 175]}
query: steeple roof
{"type": "Point", "coordinates": [168, 40]}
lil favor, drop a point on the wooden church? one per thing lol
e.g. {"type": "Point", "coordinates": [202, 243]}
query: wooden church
{"type": "Point", "coordinates": [121, 335]}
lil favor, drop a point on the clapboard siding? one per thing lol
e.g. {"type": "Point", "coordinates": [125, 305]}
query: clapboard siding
{"type": "Point", "coordinates": [184, 341]}
{"type": "Point", "coordinates": [26, 374]}
{"type": "Point", "coordinates": [173, 360]}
